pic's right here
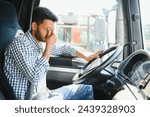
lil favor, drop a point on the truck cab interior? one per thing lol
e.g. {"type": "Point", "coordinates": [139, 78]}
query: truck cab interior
{"type": "Point", "coordinates": [121, 72]}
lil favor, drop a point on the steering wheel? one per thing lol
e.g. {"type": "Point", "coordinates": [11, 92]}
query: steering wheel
{"type": "Point", "coordinates": [85, 74]}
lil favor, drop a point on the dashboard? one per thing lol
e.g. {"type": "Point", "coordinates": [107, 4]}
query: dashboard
{"type": "Point", "coordinates": [134, 73]}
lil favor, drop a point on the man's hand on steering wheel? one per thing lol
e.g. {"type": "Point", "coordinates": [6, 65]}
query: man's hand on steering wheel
{"type": "Point", "coordinates": [94, 56]}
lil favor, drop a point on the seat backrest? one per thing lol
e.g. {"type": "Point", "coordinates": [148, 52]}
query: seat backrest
{"type": "Point", "coordinates": [8, 29]}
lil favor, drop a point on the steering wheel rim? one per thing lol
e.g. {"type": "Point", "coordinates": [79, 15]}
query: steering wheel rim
{"type": "Point", "coordinates": [81, 78]}
{"type": "Point", "coordinates": [100, 55]}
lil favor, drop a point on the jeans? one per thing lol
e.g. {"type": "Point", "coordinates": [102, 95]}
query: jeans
{"type": "Point", "coordinates": [75, 92]}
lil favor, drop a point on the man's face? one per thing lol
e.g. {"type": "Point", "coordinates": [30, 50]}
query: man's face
{"type": "Point", "coordinates": [44, 30]}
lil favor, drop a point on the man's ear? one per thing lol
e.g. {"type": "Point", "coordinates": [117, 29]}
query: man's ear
{"type": "Point", "coordinates": [34, 26]}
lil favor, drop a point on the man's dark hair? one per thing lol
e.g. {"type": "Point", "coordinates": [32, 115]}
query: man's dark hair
{"type": "Point", "coordinates": [42, 13]}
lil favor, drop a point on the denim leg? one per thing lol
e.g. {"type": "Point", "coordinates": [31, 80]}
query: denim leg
{"type": "Point", "coordinates": [76, 92]}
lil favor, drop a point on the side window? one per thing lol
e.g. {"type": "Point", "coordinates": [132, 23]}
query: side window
{"type": "Point", "coordinates": [89, 27]}
{"type": "Point", "coordinates": [144, 5]}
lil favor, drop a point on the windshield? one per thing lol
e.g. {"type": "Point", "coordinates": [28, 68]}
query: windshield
{"type": "Point", "coordinates": [145, 23]}
{"type": "Point", "coordinates": [88, 25]}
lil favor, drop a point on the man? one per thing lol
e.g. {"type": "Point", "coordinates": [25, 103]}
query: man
{"type": "Point", "coordinates": [26, 63]}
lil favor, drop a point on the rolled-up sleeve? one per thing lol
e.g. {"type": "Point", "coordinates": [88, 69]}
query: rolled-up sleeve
{"type": "Point", "coordinates": [64, 48]}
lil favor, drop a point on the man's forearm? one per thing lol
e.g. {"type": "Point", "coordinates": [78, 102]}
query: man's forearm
{"type": "Point", "coordinates": [80, 55]}
{"type": "Point", "coordinates": [47, 51]}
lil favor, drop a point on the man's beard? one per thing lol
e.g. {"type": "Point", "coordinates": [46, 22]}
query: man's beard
{"type": "Point", "coordinates": [38, 36]}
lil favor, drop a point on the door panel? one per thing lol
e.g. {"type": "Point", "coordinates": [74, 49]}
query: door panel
{"type": "Point", "coordinates": [62, 70]}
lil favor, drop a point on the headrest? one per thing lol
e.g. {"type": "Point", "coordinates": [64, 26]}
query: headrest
{"type": "Point", "coordinates": [8, 23]}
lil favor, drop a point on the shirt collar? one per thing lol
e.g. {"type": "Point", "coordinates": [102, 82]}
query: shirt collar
{"type": "Point", "coordinates": [37, 45]}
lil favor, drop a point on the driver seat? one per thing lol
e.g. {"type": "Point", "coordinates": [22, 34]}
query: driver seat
{"type": "Point", "coordinates": [9, 27]}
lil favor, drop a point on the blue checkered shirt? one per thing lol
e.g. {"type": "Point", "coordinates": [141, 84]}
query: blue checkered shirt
{"type": "Point", "coordinates": [24, 63]}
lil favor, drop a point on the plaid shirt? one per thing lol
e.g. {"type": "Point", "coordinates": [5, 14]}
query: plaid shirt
{"type": "Point", "coordinates": [60, 48]}
{"type": "Point", "coordinates": [24, 64]}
